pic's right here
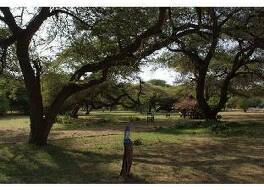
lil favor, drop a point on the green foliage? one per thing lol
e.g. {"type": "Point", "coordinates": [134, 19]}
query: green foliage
{"type": "Point", "coordinates": [19, 100]}
{"type": "Point", "coordinates": [111, 30]}
{"type": "Point", "coordinates": [51, 85]}
{"type": "Point", "coordinates": [213, 101]}
{"type": "Point", "coordinates": [158, 82]}
{"type": "Point", "coordinates": [4, 104]}
{"type": "Point", "coordinates": [246, 103]}
{"type": "Point", "coordinates": [234, 102]}
{"type": "Point", "coordinates": [14, 91]}
{"type": "Point", "coordinates": [64, 119]}
{"type": "Point", "coordinates": [138, 142]}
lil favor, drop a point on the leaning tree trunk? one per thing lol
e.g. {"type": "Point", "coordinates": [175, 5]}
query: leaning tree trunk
{"type": "Point", "coordinates": [88, 108]}
{"type": "Point", "coordinates": [75, 111]}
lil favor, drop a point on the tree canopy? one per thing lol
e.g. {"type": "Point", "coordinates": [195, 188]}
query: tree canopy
{"type": "Point", "coordinates": [67, 56]}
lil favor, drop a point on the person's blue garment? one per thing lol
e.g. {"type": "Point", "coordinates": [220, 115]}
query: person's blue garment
{"type": "Point", "coordinates": [127, 141]}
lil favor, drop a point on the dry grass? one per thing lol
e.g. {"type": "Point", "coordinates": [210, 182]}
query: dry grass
{"type": "Point", "coordinates": [89, 150]}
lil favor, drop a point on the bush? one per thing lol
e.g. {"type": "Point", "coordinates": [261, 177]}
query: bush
{"type": "Point", "coordinates": [64, 119]}
{"type": "Point", "coordinates": [137, 142]}
{"type": "Point", "coordinates": [249, 102]}
{"type": "Point", "coordinates": [133, 118]}
{"type": "Point", "coordinates": [109, 119]}
{"type": "Point", "coordinates": [19, 101]}
{"type": "Point", "coordinates": [189, 108]}
{"type": "Point", "coordinates": [4, 104]}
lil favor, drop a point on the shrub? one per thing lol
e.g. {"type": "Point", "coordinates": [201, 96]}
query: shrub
{"type": "Point", "coordinates": [138, 142]}
{"type": "Point", "coordinates": [4, 104]}
{"type": "Point", "coordinates": [133, 118]}
{"type": "Point", "coordinates": [64, 119]}
{"type": "Point", "coordinates": [109, 119]}
{"type": "Point", "coordinates": [189, 107]}
{"type": "Point", "coordinates": [249, 102]}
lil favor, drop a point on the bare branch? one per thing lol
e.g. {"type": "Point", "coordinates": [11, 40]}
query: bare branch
{"type": "Point", "coordinates": [7, 41]}
{"type": "Point", "coordinates": [10, 20]}
{"type": "Point", "coordinates": [35, 23]}
{"type": "Point", "coordinates": [229, 16]}
{"type": "Point", "coordinates": [56, 12]}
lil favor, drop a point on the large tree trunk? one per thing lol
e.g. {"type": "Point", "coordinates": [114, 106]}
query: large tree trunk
{"type": "Point", "coordinates": [200, 94]}
{"type": "Point", "coordinates": [39, 133]}
{"type": "Point", "coordinates": [211, 113]}
{"type": "Point", "coordinates": [39, 129]}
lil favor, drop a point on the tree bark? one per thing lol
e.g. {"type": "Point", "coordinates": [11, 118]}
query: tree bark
{"type": "Point", "coordinates": [208, 112]}
{"type": "Point", "coordinates": [38, 123]}
{"type": "Point", "coordinates": [88, 108]}
{"type": "Point", "coordinates": [75, 111]}
{"type": "Point", "coordinates": [39, 133]}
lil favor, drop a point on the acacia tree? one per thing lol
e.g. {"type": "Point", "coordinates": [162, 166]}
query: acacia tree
{"type": "Point", "coordinates": [143, 43]}
{"type": "Point", "coordinates": [40, 122]}
{"type": "Point", "coordinates": [203, 50]}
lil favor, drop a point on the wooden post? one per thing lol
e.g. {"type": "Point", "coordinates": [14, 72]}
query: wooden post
{"type": "Point", "coordinates": [128, 154]}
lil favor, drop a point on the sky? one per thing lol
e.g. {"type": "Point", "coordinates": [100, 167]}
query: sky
{"type": "Point", "coordinates": [149, 72]}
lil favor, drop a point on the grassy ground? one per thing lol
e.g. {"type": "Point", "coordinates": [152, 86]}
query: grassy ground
{"type": "Point", "coordinates": [174, 150]}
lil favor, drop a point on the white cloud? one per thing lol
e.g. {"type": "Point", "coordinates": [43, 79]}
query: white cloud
{"type": "Point", "coordinates": [167, 74]}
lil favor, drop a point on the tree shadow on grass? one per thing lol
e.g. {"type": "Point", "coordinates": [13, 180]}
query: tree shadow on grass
{"type": "Point", "coordinates": [183, 127]}
{"type": "Point", "coordinates": [231, 129]}
{"type": "Point", "coordinates": [230, 161]}
{"type": "Point", "coordinates": [11, 137]}
{"type": "Point", "coordinates": [53, 164]}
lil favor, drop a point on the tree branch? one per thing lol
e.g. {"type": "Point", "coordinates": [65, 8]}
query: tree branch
{"type": "Point", "coordinates": [215, 30]}
{"type": "Point", "coordinates": [35, 23]}
{"type": "Point", "coordinates": [61, 11]}
{"type": "Point", "coordinates": [70, 89]}
{"type": "Point", "coordinates": [126, 52]}
{"type": "Point", "coordinates": [10, 20]}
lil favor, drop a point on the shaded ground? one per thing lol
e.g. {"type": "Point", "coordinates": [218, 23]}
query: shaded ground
{"type": "Point", "coordinates": [89, 150]}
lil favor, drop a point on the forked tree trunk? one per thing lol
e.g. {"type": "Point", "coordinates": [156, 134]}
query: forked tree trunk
{"type": "Point", "coordinates": [39, 127]}
{"type": "Point", "coordinates": [211, 113]}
